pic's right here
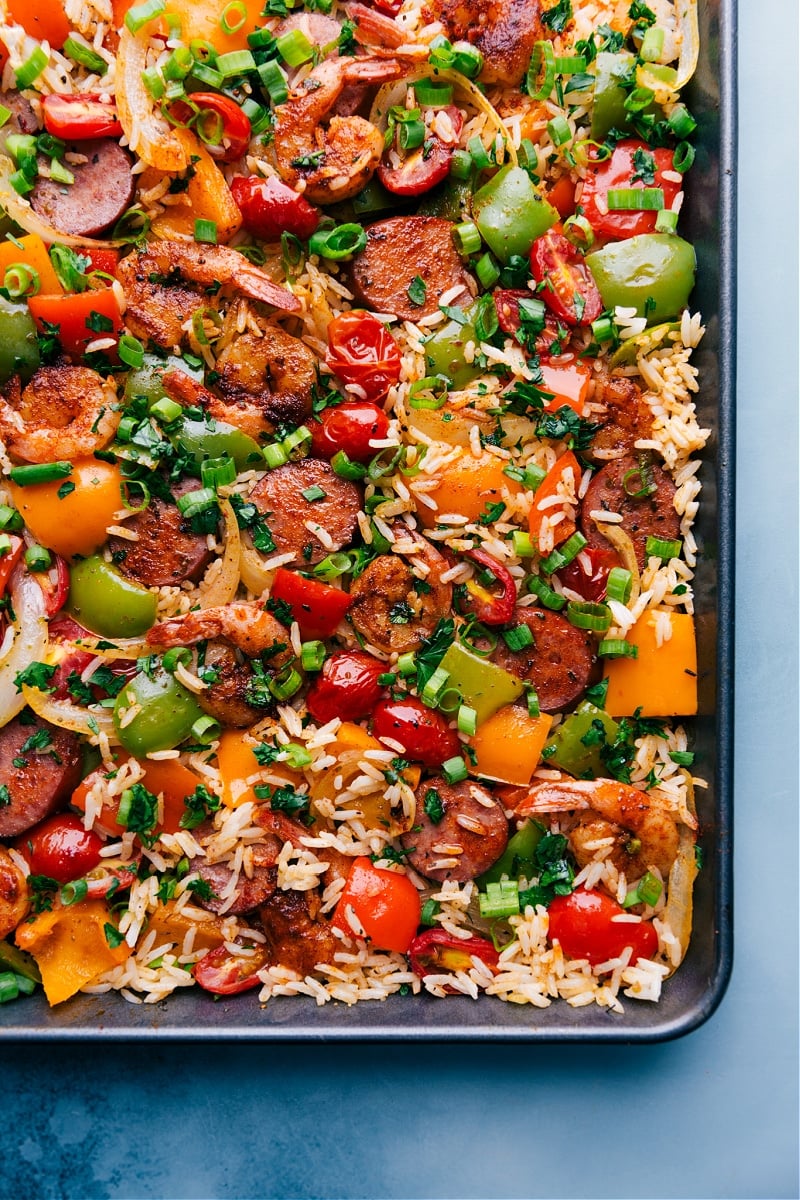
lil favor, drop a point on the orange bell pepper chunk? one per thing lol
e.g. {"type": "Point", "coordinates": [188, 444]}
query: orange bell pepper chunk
{"type": "Point", "coordinates": [33, 252]}
{"type": "Point", "coordinates": [468, 486]}
{"type": "Point", "coordinates": [569, 381]}
{"type": "Point", "coordinates": [662, 680]}
{"type": "Point", "coordinates": [76, 523]}
{"type": "Point", "coordinates": [70, 947]}
{"type": "Point", "coordinates": [166, 777]}
{"type": "Point", "coordinates": [237, 763]}
{"type": "Point", "coordinates": [75, 315]}
{"type": "Point", "coordinates": [44, 19]}
{"type": "Point", "coordinates": [508, 746]}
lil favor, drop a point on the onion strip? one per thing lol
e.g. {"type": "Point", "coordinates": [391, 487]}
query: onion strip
{"type": "Point", "coordinates": [624, 548]}
{"type": "Point", "coordinates": [28, 644]}
{"type": "Point", "coordinates": [147, 132]}
{"type": "Point", "coordinates": [678, 908]}
{"type": "Point", "coordinates": [255, 576]}
{"type": "Point", "coordinates": [223, 588]}
{"type": "Point", "coordinates": [67, 715]}
{"type": "Point", "coordinates": [686, 20]}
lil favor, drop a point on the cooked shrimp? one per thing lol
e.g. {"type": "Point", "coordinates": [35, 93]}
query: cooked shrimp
{"type": "Point", "coordinates": [64, 413]}
{"type": "Point", "coordinates": [13, 894]}
{"type": "Point", "coordinates": [382, 34]}
{"type": "Point", "coordinates": [164, 286]}
{"type": "Point", "coordinates": [334, 161]}
{"type": "Point", "coordinates": [644, 831]}
{"type": "Point", "coordinates": [248, 627]}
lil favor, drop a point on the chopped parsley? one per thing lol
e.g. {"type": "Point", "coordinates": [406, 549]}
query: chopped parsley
{"type": "Point", "coordinates": [417, 291]}
{"type": "Point", "coordinates": [644, 167]}
{"type": "Point", "coordinates": [36, 675]}
{"type": "Point", "coordinates": [434, 809]}
{"type": "Point", "coordinates": [113, 935]}
{"type": "Point", "coordinates": [138, 812]}
{"type": "Point", "coordinates": [558, 17]}
{"type": "Point", "coordinates": [43, 891]}
{"type": "Point", "coordinates": [433, 650]}
{"type": "Point", "coordinates": [286, 800]}
{"type": "Point", "coordinates": [556, 873]}
{"type": "Point", "coordinates": [197, 807]}
{"type": "Point", "coordinates": [565, 425]}
{"type": "Point", "coordinates": [5, 795]}
{"type": "Point", "coordinates": [281, 610]}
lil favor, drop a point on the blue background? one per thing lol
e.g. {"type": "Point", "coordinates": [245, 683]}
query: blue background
{"type": "Point", "coordinates": [712, 1115]}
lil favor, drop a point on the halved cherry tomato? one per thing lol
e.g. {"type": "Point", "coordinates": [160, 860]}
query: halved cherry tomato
{"type": "Point", "coordinates": [317, 607]}
{"type": "Point", "coordinates": [349, 427]}
{"type": "Point", "coordinates": [347, 687]}
{"type": "Point", "coordinates": [437, 953]}
{"type": "Point", "coordinates": [55, 585]}
{"type": "Point", "coordinates": [588, 573]}
{"type": "Point", "coordinates": [424, 167]}
{"type": "Point", "coordinates": [386, 904]}
{"type": "Point", "coordinates": [490, 607]}
{"type": "Point", "coordinates": [362, 352]}
{"type": "Point", "coordinates": [80, 116]}
{"type": "Point", "coordinates": [9, 560]}
{"type": "Point", "coordinates": [106, 880]}
{"type": "Point", "coordinates": [226, 974]}
{"type": "Point", "coordinates": [75, 316]}
{"type": "Point", "coordinates": [569, 290]}
{"type": "Point", "coordinates": [506, 301]}
{"type": "Point", "coordinates": [218, 121]}
{"type": "Point", "coordinates": [60, 848]}
{"type": "Point", "coordinates": [584, 924]}
{"type": "Point", "coordinates": [423, 733]}
{"type": "Point", "coordinates": [568, 379]}
{"type": "Point", "coordinates": [44, 20]}
{"type": "Point", "coordinates": [270, 208]}
{"type": "Point", "coordinates": [621, 171]}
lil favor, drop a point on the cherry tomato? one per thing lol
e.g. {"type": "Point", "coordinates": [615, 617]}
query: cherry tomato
{"type": "Point", "coordinates": [76, 118]}
{"type": "Point", "coordinates": [569, 290]}
{"type": "Point", "coordinates": [390, 7]}
{"type": "Point", "coordinates": [361, 351]}
{"type": "Point", "coordinates": [106, 880]}
{"type": "Point", "coordinates": [349, 427]}
{"type": "Point", "coordinates": [424, 167]}
{"type": "Point", "coordinates": [436, 953]}
{"type": "Point", "coordinates": [55, 585]}
{"type": "Point", "coordinates": [347, 687]}
{"type": "Point", "coordinates": [620, 171]}
{"type": "Point", "coordinates": [423, 733]}
{"type": "Point", "coordinates": [219, 122]}
{"type": "Point", "coordinates": [588, 573]}
{"type": "Point", "coordinates": [506, 301]}
{"type": "Point", "coordinates": [317, 607]}
{"type": "Point", "coordinates": [490, 607]}
{"type": "Point", "coordinates": [61, 848]}
{"type": "Point", "coordinates": [584, 924]}
{"type": "Point", "coordinates": [75, 315]}
{"type": "Point", "coordinates": [9, 560]}
{"type": "Point", "coordinates": [385, 903]}
{"type": "Point", "coordinates": [226, 974]}
{"type": "Point", "coordinates": [269, 208]}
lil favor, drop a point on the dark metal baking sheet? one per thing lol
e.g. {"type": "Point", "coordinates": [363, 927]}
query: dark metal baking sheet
{"type": "Point", "coordinates": [689, 999]}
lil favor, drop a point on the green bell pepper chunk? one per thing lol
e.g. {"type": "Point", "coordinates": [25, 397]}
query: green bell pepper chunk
{"type": "Point", "coordinates": [106, 602]}
{"type": "Point", "coordinates": [517, 860]}
{"type": "Point", "coordinates": [570, 752]}
{"type": "Point", "coordinates": [444, 351]}
{"type": "Point", "coordinates": [608, 108]}
{"type": "Point", "coordinates": [483, 685]}
{"type": "Point", "coordinates": [146, 379]}
{"type": "Point", "coordinates": [374, 198]}
{"type": "Point", "coordinates": [19, 348]}
{"type": "Point", "coordinates": [168, 712]}
{"type": "Point", "coordinates": [626, 353]}
{"type": "Point", "coordinates": [12, 959]}
{"type": "Point", "coordinates": [511, 213]}
{"type": "Point", "coordinates": [208, 438]}
{"type": "Point", "coordinates": [653, 273]}
{"type": "Point", "coordinates": [451, 200]}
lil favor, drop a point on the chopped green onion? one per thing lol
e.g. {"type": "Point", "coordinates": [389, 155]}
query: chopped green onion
{"type": "Point", "coordinates": [519, 637]}
{"type": "Point", "coordinates": [10, 518]}
{"type": "Point", "coordinates": [410, 134]}
{"type": "Point", "coordinates": [30, 475]}
{"type": "Point", "coordinates": [604, 329]}
{"type": "Point", "coordinates": [563, 555]}
{"type": "Point", "coordinates": [387, 678]}
{"type": "Point", "coordinates": [467, 720]}
{"type": "Point", "coordinates": [60, 174]}
{"type": "Point", "coordinates": [333, 566]}
{"type": "Point", "coordinates": [532, 697]}
{"type": "Point", "coordinates": [467, 237]}
{"type": "Point", "coordinates": [165, 411]}
{"type": "Point", "coordinates": [345, 468]}
{"type": "Point", "coordinates": [296, 442]}
{"type": "Point", "coordinates": [584, 614]}
{"type": "Point", "coordinates": [313, 493]}
{"type": "Point", "coordinates": [218, 472]}
{"type": "Point", "coordinates": [549, 598]}
{"type": "Point", "coordinates": [665, 550]}
{"type": "Point", "coordinates": [286, 684]}
{"type": "Point", "coordinates": [294, 48]}
{"type": "Point", "coordinates": [126, 487]}
{"type": "Point", "coordinates": [645, 485]}
{"type": "Point", "coordinates": [203, 51]}
{"type": "Point", "coordinates": [338, 243]}
{"type": "Point", "coordinates": [647, 891]}
{"type": "Point", "coordinates": [461, 164]}
{"type": "Point", "coordinates": [5, 115]}
{"type": "Point", "coordinates": [38, 559]}
{"type": "Point", "coordinates": [176, 657]}
{"type": "Point", "coordinates": [487, 270]}
{"type": "Point", "coordinates": [635, 199]}
{"type": "Point", "coordinates": [9, 986]}
{"type": "Point", "coordinates": [435, 687]}
{"type": "Point", "coordinates": [617, 648]}
{"type": "Point", "coordinates": [130, 351]}
{"type": "Point", "coordinates": [559, 130]}
{"type": "Point", "coordinates": [154, 82]}
{"type": "Point", "coordinates": [207, 75]}
{"type": "Point", "coordinates": [20, 183]}
{"type": "Point", "coordinates": [192, 504]}
{"type": "Point", "coordinates": [666, 221]}
{"type": "Point", "coordinates": [206, 729]}
{"type": "Point", "coordinates": [297, 756]}
{"type": "Point", "coordinates": [433, 95]}
{"type": "Point", "coordinates": [450, 701]}
{"type": "Point", "coordinates": [640, 98]}
{"type": "Point", "coordinates": [681, 122]}
{"type": "Point", "coordinates": [275, 455]}
{"type": "Point", "coordinates": [233, 16]}
{"type": "Point", "coordinates": [683, 157]}
{"type": "Point", "coordinates": [578, 231]}
{"type": "Point", "coordinates": [205, 231]}
{"type": "Point", "coordinates": [541, 75]}
{"type": "Point", "coordinates": [21, 146]}
{"type": "Point", "coordinates": [179, 63]}
{"type": "Point", "coordinates": [429, 912]}
{"type": "Point", "coordinates": [455, 769]}
{"type": "Point", "coordinates": [312, 655]}
{"type": "Point", "coordinates": [32, 68]}
{"type": "Point", "coordinates": [5, 544]}
{"type": "Point", "coordinates": [528, 155]}
{"type": "Point", "coordinates": [573, 65]}
{"type": "Point", "coordinates": [428, 393]}
{"type": "Point", "coordinates": [652, 44]}
{"type": "Point", "coordinates": [258, 116]}
{"type": "Point", "coordinates": [500, 899]}
{"type": "Point", "coordinates": [138, 16]}
{"type": "Point", "coordinates": [523, 546]}
{"type": "Point", "coordinates": [467, 59]}
{"type": "Point", "coordinates": [274, 80]}
{"type": "Point", "coordinates": [21, 280]}
{"type": "Point", "coordinates": [407, 664]}
{"type": "Point", "coordinates": [618, 585]}
{"type": "Point", "coordinates": [479, 154]}
{"type": "Point", "coordinates": [238, 62]}
{"type": "Point", "coordinates": [85, 56]}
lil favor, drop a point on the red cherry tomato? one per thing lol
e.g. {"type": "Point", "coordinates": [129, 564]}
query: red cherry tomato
{"type": "Point", "coordinates": [584, 924]}
{"type": "Point", "coordinates": [351, 428]}
{"type": "Point", "coordinates": [506, 301]}
{"type": "Point", "coordinates": [492, 607]}
{"type": "Point", "coordinates": [621, 170]}
{"type": "Point", "coordinates": [423, 733]}
{"type": "Point", "coordinates": [588, 573]}
{"type": "Point", "coordinates": [317, 607]}
{"type": "Point", "coordinates": [385, 903]}
{"type": "Point", "coordinates": [222, 126]}
{"type": "Point", "coordinates": [362, 352]}
{"type": "Point", "coordinates": [437, 953]}
{"type": "Point", "coordinates": [226, 974]}
{"type": "Point", "coordinates": [55, 585]}
{"type": "Point", "coordinates": [76, 118]}
{"type": "Point", "coordinates": [269, 208]}
{"type": "Point", "coordinates": [61, 848]}
{"type": "Point", "coordinates": [569, 290]}
{"type": "Point", "coordinates": [347, 687]}
{"type": "Point", "coordinates": [424, 167]}
{"type": "Point", "coordinates": [9, 560]}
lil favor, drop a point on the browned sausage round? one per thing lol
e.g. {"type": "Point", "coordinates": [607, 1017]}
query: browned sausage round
{"type": "Point", "coordinates": [40, 766]}
{"type": "Point", "coordinates": [392, 608]}
{"type": "Point", "coordinates": [167, 551]}
{"type": "Point", "coordinates": [13, 894]}
{"type": "Point", "coordinates": [251, 890]}
{"type": "Point", "coordinates": [470, 835]}
{"type": "Point", "coordinates": [625, 420]}
{"type": "Point", "coordinates": [22, 120]}
{"type": "Point", "coordinates": [397, 251]}
{"type": "Point", "coordinates": [294, 938]}
{"type": "Point", "coordinates": [558, 664]}
{"type": "Point", "coordinates": [279, 496]}
{"type": "Point", "coordinates": [649, 516]}
{"type": "Point", "coordinates": [102, 191]}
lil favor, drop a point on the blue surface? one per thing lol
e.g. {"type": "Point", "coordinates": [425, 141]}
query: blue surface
{"type": "Point", "coordinates": [712, 1115]}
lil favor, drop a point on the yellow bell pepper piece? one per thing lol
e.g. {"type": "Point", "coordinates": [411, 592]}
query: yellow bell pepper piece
{"type": "Point", "coordinates": [33, 253]}
{"type": "Point", "coordinates": [662, 680]}
{"type": "Point", "coordinates": [70, 947]}
{"type": "Point", "coordinates": [207, 197]}
{"type": "Point", "coordinates": [237, 763]}
{"type": "Point", "coordinates": [467, 487]}
{"type": "Point", "coordinates": [172, 926]}
{"type": "Point", "coordinates": [509, 744]}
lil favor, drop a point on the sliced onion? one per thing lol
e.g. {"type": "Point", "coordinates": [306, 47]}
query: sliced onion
{"type": "Point", "coordinates": [678, 908]}
{"type": "Point", "coordinates": [28, 645]}
{"type": "Point", "coordinates": [226, 582]}
{"type": "Point", "coordinates": [147, 132]}
{"type": "Point", "coordinates": [624, 548]}
{"type": "Point", "coordinates": [449, 425]}
{"type": "Point", "coordinates": [686, 19]}
{"type": "Point", "coordinates": [255, 576]}
{"type": "Point", "coordinates": [121, 648]}
{"type": "Point", "coordinates": [21, 211]}
{"type": "Point", "coordinates": [67, 715]}
{"type": "Point", "coordinates": [392, 93]}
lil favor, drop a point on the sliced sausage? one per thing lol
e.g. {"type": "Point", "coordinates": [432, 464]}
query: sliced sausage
{"type": "Point", "coordinates": [275, 374]}
{"type": "Point", "coordinates": [469, 837]}
{"type": "Point", "coordinates": [167, 551]}
{"type": "Point", "coordinates": [625, 421]}
{"type": "Point", "coordinates": [251, 891]}
{"type": "Point", "coordinates": [398, 250]}
{"type": "Point", "coordinates": [13, 894]}
{"type": "Point", "coordinates": [294, 939]}
{"type": "Point", "coordinates": [102, 191]}
{"type": "Point", "coordinates": [392, 608]}
{"type": "Point", "coordinates": [279, 496]}
{"type": "Point", "coordinates": [40, 766]}
{"type": "Point", "coordinates": [559, 663]}
{"type": "Point", "coordinates": [504, 31]}
{"type": "Point", "coordinates": [22, 120]}
{"type": "Point", "coordinates": [643, 517]}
